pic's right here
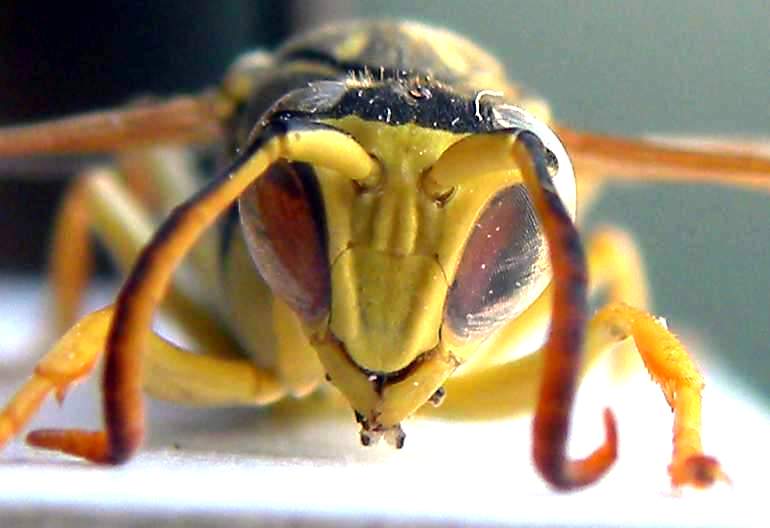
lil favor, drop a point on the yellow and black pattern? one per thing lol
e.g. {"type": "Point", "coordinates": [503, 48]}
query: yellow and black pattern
{"type": "Point", "coordinates": [399, 219]}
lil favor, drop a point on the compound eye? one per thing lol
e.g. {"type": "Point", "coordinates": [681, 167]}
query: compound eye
{"type": "Point", "coordinates": [284, 223]}
{"type": "Point", "coordinates": [504, 267]}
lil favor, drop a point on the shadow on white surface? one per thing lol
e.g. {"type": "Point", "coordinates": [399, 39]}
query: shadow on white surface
{"type": "Point", "coordinates": [301, 463]}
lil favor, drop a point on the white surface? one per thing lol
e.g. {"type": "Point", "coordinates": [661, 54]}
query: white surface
{"type": "Point", "coordinates": [301, 464]}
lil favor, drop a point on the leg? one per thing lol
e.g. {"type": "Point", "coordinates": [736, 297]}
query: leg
{"type": "Point", "coordinates": [161, 178]}
{"type": "Point", "coordinates": [130, 335]}
{"type": "Point", "coordinates": [100, 202]}
{"type": "Point", "coordinates": [512, 388]}
{"type": "Point", "coordinates": [615, 268]}
{"type": "Point", "coordinates": [171, 373]}
{"type": "Point", "coordinates": [672, 368]}
{"type": "Point", "coordinates": [71, 260]}
{"type": "Point", "coordinates": [121, 207]}
{"type": "Point", "coordinates": [563, 349]}
{"type": "Point", "coordinates": [297, 364]}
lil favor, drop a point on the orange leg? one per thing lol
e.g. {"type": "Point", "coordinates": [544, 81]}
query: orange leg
{"type": "Point", "coordinates": [71, 360]}
{"type": "Point", "coordinates": [129, 336]}
{"type": "Point", "coordinates": [71, 259]}
{"type": "Point", "coordinates": [171, 373]}
{"type": "Point", "coordinates": [100, 201]}
{"type": "Point", "coordinates": [672, 368]}
{"type": "Point", "coordinates": [615, 266]}
{"type": "Point", "coordinates": [180, 120]}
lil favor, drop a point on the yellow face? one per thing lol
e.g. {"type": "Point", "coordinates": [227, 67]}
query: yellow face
{"type": "Point", "coordinates": [395, 251]}
{"type": "Point", "coordinates": [404, 276]}
{"type": "Point", "coordinates": [388, 284]}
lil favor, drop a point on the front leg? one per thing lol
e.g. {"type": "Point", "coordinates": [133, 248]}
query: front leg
{"type": "Point", "coordinates": [674, 371]}
{"type": "Point", "coordinates": [510, 388]}
{"type": "Point", "coordinates": [170, 373]}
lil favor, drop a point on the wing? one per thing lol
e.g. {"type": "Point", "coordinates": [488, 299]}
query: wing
{"type": "Point", "coordinates": [735, 161]}
{"type": "Point", "coordinates": [181, 119]}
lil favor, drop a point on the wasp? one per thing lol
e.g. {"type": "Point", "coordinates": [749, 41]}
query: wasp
{"type": "Point", "coordinates": [392, 216]}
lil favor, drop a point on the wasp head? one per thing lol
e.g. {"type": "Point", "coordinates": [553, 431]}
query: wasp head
{"type": "Point", "coordinates": [398, 279]}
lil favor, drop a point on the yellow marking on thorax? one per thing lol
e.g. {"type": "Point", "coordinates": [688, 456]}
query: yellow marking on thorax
{"type": "Point", "coordinates": [447, 45]}
{"type": "Point", "coordinates": [352, 47]}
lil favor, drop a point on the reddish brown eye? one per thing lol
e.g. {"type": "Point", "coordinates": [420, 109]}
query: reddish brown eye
{"type": "Point", "coordinates": [284, 221]}
{"type": "Point", "coordinates": [503, 269]}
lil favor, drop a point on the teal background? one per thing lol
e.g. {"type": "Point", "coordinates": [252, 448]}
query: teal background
{"type": "Point", "coordinates": [634, 67]}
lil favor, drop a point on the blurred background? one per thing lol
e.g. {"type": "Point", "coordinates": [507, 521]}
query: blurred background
{"type": "Point", "coordinates": [694, 67]}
